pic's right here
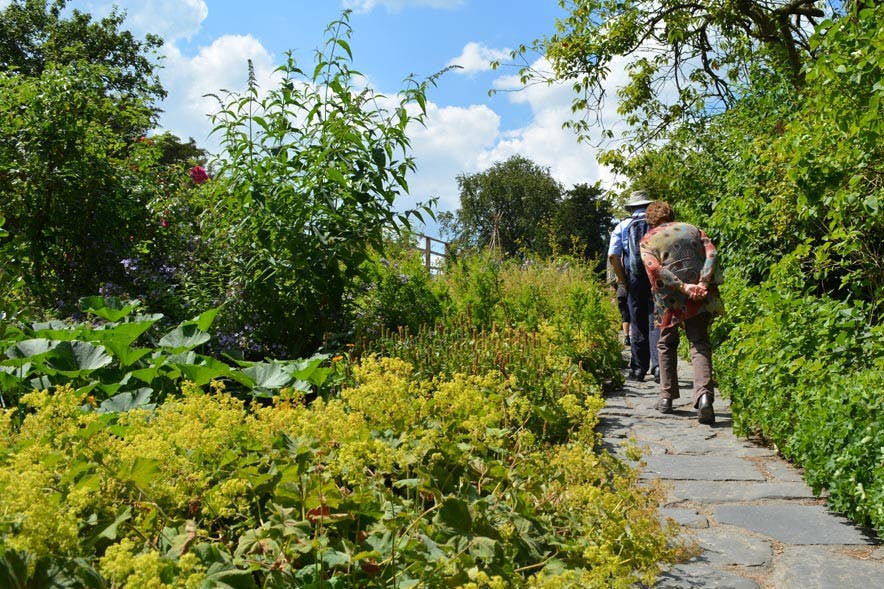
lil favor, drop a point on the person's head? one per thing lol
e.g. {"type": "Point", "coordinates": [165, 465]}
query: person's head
{"type": "Point", "coordinates": [659, 212]}
{"type": "Point", "coordinates": [637, 200]}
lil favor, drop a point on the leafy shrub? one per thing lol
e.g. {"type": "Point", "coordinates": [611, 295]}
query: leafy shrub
{"type": "Point", "coordinates": [117, 358]}
{"type": "Point", "coordinates": [395, 291]}
{"type": "Point", "coordinates": [397, 480]}
{"type": "Point", "coordinates": [553, 331]}
{"type": "Point", "coordinates": [805, 373]}
{"type": "Point", "coordinates": [470, 287]}
{"type": "Point", "coordinates": [305, 189]}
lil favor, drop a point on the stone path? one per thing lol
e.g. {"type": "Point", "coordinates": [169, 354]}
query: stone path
{"type": "Point", "coordinates": [757, 523]}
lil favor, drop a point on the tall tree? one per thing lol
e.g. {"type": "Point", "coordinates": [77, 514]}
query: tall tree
{"type": "Point", "coordinates": [76, 95]}
{"type": "Point", "coordinates": [683, 59]}
{"type": "Point", "coordinates": [510, 206]}
{"type": "Point", "coordinates": [68, 180]}
{"type": "Point", "coordinates": [583, 222]}
{"type": "Point", "coordinates": [37, 33]}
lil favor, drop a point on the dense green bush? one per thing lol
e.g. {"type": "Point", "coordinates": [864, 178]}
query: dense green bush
{"type": "Point", "coordinates": [395, 290]}
{"type": "Point", "coordinates": [807, 375]}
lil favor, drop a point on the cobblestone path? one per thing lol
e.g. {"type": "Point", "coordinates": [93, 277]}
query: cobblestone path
{"type": "Point", "coordinates": [757, 523]}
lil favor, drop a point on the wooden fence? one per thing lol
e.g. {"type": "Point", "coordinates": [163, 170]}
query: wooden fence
{"type": "Point", "coordinates": [432, 257]}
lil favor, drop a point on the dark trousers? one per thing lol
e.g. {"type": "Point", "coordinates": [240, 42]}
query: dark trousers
{"type": "Point", "coordinates": [643, 335]}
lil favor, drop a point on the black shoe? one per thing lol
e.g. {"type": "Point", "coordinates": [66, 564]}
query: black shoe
{"type": "Point", "coordinates": [635, 376]}
{"type": "Point", "coordinates": [705, 413]}
{"type": "Point", "coordinates": [664, 405]}
{"type": "Point", "coordinates": [655, 372]}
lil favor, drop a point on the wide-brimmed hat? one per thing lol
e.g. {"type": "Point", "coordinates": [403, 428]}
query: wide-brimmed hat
{"type": "Point", "coordinates": [639, 198]}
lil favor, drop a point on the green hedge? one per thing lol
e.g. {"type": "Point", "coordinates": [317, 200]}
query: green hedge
{"type": "Point", "coordinates": [807, 375]}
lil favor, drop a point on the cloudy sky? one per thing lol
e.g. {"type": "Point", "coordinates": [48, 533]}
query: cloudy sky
{"type": "Point", "coordinates": [208, 43]}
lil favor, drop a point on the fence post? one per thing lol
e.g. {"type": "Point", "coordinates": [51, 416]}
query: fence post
{"type": "Point", "coordinates": [427, 252]}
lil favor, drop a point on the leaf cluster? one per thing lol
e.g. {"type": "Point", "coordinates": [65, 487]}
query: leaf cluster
{"type": "Point", "coordinates": [37, 35]}
{"type": "Point", "coordinates": [119, 359]}
{"type": "Point", "coordinates": [806, 374]}
{"type": "Point", "coordinates": [397, 480]}
{"type": "Point", "coordinates": [680, 60]}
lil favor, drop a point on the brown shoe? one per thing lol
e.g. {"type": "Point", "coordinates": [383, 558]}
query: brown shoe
{"type": "Point", "coordinates": [664, 405]}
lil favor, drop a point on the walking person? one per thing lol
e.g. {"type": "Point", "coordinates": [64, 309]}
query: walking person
{"type": "Point", "coordinates": [625, 259]}
{"type": "Point", "coordinates": [682, 264]}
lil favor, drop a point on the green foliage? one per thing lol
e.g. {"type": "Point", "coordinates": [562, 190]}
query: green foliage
{"type": "Point", "coordinates": [583, 223]}
{"type": "Point", "coordinates": [398, 480]}
{"type": "Point", "coordinates": [68, 168]}
{"type": "Point", "coordinates": [551, 327]}
{"type": "Point", "coordinates": [305, 190]}
{"type": "Point", "coordinates": [511, 207]}
{"type": "Point", "coordinates": [834, 154]}
{"type": "Point", "coordinates": [470, 287]}
{"type": "Point", "coordinates": [116, 361]}
{"type": "Point", "coordinates": [807, 375]}
{"type": "Point", "coordinates": [699, 52]}
{"type": "Point", "coordinates": [75, 93]}
{"type": "Point", "coordinates": [395, 291]}
{"type": "Point", "coordinates": [35, 34]}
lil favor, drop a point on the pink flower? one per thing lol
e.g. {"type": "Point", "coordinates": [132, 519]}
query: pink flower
{"type": "Point", "coordinates": [198, 174]}
{"type": "Point", "coordinates": [164, 222]}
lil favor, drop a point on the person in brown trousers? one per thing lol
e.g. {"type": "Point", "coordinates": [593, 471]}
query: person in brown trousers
{"type": "Point", "coordinates": [682, 265]}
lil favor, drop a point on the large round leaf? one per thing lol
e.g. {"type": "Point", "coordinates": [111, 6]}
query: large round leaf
{"type": "Point", "coordinates": [76, 358]}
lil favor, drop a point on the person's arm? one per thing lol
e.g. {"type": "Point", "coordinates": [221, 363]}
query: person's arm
{"type": "Point", "coordinates": [617, 267]}
{"type": "Point", "coordinates": [658, 274]}
{"type": "Point", "coordinates": [707, 274]}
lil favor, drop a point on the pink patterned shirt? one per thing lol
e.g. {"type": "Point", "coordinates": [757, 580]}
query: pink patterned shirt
{"type": "Point", "coordinates": [675, 254]}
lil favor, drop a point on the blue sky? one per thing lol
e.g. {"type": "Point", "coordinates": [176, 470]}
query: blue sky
{"type": "Point", "coordinates": [208, 43]}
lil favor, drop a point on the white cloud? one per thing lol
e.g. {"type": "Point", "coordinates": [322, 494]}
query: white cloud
{"type": "Point", "coordinates": [170, 19]}
{"type": "Point", "coordinates": [223, 65]}
{"type": "Point", "coordinates": [156, 17]}
{"type": "Point", "coordinates": [452, 143]}
{"type": "Point", "coordinates": [397, 5]}
{"type": "Point", "coordinates": [570, 161]}
{"type": "Point", "coordinates": [477, 58]}
{"type": "Point", "coordinates": [470, 140]}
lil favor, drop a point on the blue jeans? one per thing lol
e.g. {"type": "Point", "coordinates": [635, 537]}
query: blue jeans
{"type": "Point", "coordinates": [643, 335]}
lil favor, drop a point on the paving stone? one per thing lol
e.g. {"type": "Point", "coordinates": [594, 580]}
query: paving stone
{"type": "Point", "coordinates": [783, 471]}
{"type": "Point", "coordinates": [700, 443]}
{"type": "Point", "coordinates": [732, 491]}
{"type": "Point", "coordinates": [710, 468]}
{"type": "Point", "coordinates": [736, 499]}
{"type": "Point", "coordinates": [699, 576]}
{"type": "Point", "coordinates": [658, 432]}
{"type": "Point", "coordinates": [732, 547]}
{"type": "Point", "coordinates": [801, 567]}
{"type": "Point", "coordinates": [687, 518]}
{"type": "Point", "coordinates": [792, 524]}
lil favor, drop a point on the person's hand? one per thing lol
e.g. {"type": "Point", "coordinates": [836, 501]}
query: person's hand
{"type": "Point", "coordinates": [696, 292]}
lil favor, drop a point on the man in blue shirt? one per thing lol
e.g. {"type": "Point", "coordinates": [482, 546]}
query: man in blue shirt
{"type": "Point", "coordinates": [625, 258]}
